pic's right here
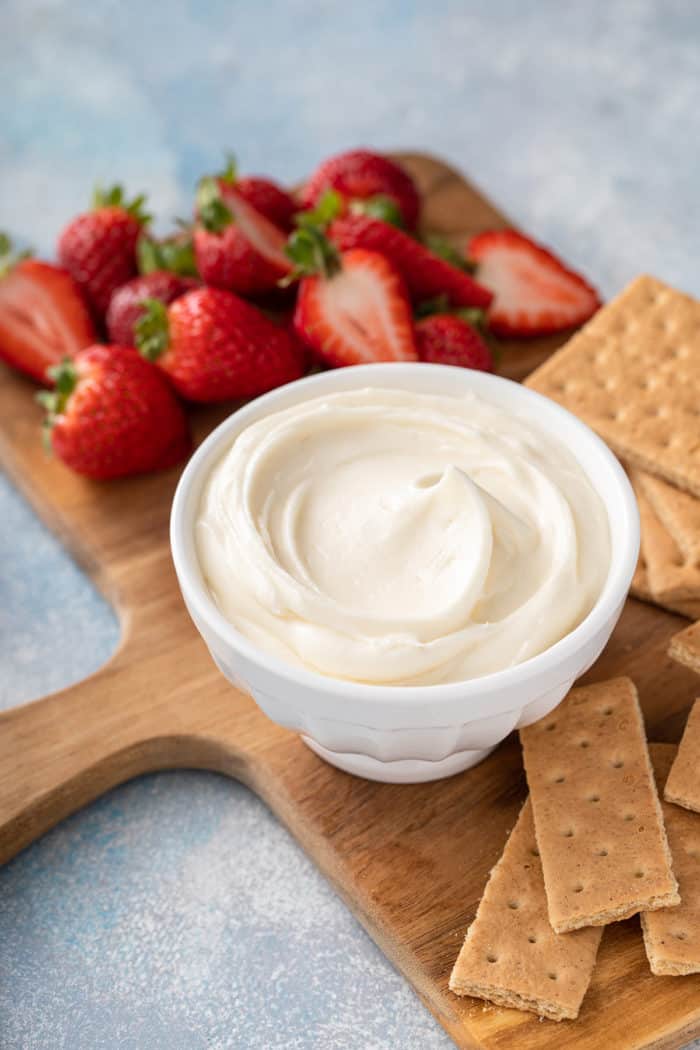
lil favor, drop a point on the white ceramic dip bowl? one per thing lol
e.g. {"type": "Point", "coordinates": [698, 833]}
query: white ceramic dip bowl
{"type": "Point", "coordinates": [406, 734]}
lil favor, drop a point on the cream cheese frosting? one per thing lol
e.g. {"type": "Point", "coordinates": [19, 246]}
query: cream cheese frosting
{"type": "Point", "coordinates": [395, 538]}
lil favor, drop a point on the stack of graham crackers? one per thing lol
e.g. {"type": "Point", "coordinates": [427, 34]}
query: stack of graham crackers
{"type": "Point", "coordinates": [593, 844]}
{"type": "Point", "coordinates": [633, 374]}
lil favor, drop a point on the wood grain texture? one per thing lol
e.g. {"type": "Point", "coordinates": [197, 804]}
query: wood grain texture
{"type": "Point", "coordinates": [411, 861]}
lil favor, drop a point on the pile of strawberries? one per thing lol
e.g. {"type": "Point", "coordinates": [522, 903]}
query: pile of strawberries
{"type": "Point", "coordinates": [258, 289]}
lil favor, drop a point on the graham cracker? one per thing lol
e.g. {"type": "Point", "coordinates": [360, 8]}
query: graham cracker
{"type": "Point", "coordinates": [671, 577]}
{"type": "Point", "coordinates": [511, 955]}
{"type": "Point", "coordinates": [683, 784]}
{"type": "Point", "coordinates": [639, 588]}
{"type": "Point", "coordinates": [597, 815]}
{"type": "Point", "coordinates": [633, 374]}
{"type": "Point", "coordinates": [678, 511]}
{"type": "Point", "coordinates": [684, 647]}
{"type": "Point", "coordinates": [672, 935]}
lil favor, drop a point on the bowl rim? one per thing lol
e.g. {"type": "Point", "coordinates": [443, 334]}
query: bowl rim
{"type": "Point", "coordinates": [613, 593]}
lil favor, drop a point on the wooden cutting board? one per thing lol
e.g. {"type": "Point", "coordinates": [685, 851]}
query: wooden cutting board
{"type": "Point", "coordinates": [411, 861]}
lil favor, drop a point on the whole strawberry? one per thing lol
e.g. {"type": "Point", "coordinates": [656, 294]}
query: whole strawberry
{"type": "Point", "coordinates": [98, 248]}
{"type": "Point", "coordinates": [361, 174]}
{"type": "Point", "coordinates": [237, 247]}
{"type": "Point", "coordinates": [126, 305]}
{"type": "Point", "coordinates": [42, 314]}
{"type": "Point", "coordinates": [447, 339]}
{"type": "Point", "coordinates": [213, 346]}
{"type": "Point", "coordinates": [112, 414]}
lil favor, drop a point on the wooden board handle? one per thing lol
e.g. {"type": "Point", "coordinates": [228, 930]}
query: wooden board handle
{"type": "Point", "coordinates": [61, 752]}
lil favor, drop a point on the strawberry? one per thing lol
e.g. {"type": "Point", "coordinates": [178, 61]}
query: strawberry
{"type": "Point", "coordinates": [263, 194]}
{"type": "Point", "coordinates": [426, 275]}
{"type": "Point", "coordinates": [360, 174]}
{"type": "Point", "coordinates": [237, 248]}
{"type": "Point", "coordinates": [126, 305]}
{"type": "Point", "coordinates": [352, 307]}
{"type": "Point", "coordinates": [112, 414]}
{"type": "Point", "coordinates": [98, 248]}
{"type": "Point", "coordinates": [269, 199]}
{"type": "Point", "coordinates": [534, 292]}
{"type": "Point", "coordinates": [213, 346]}
{"type": "Point", "coordinates": [42, 315]}
{"type": "Point", "coordinates": [448, 339]}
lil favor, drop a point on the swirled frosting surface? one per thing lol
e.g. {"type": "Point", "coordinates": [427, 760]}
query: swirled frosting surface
{"type": "Point", "coordinates": [391, 537]}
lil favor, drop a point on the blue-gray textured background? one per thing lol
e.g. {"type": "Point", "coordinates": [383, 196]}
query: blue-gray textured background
{"type": "Point", "coordinates": [175, 913]}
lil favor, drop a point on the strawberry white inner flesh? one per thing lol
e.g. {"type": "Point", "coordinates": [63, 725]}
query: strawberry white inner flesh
{"type": "Point", "coordinates": [356, 304]}
{"type": "Point", "coordinates": [527, 286]}
{"type": "Point", "coordinates": [267, 239]}
{"type": "Point", "coordinates": [32, 315]}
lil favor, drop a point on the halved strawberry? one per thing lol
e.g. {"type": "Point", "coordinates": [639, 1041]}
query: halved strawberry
{"type": "Point", "coordinates": [426, 275]}
{"type": "Point", "coordinates": [42, 316]}
{"type": "Point", "coordinates": [237, 247]}
{"type": "Point", "coordinates": [352, 307]}
{"type": "Point", "coordinates": [534, 292]}
{"type": "Point", "coordinates": [262, 193]}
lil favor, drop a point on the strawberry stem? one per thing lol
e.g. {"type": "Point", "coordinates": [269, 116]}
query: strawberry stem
{"type": "Point", "coordinates": [115, 197]}
{"type": "Point", "coordinates": [230, 172]}
{"type": "Point", "coordinates": [8, 257]}
{"type": "Point", "coordinates": [328, 207]}
{"type": "Point", "coordinates": [379, 207]}
{"type": "Point", "coordinates": [441, 247]}
{"type": "Point", "coordinates": [175, 254]}
{"type": "Point", "coordinates": [65, 377]}
{"type": "Point", "coordinates": [312, 253]}
{"type": "Point", "coordinates": [153, 330]}
{"type": "Point", "coordinates": [213, 214]}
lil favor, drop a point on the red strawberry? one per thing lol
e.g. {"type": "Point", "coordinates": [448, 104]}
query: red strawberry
{"type": "Point", "coordinates": [263, 194]}
{"type": "Point", "coordinates": [360, 174]}
{"type": "Point", "coordinates": [126, 305]}
{"type": "Point", "coordinates": [269, 199]}
{"type": "Point", "coordinates": [534, 292]}
{"type": "Point", "coordinates": [42, 315]}
{"type": "Point", "coordinates": [426, 275]}
{"type": "Point", "coordinates": [353, 307]}
{"type": "Point", "coordinates": [113, 414]}
{"type": "Point", "coordinates": [237, 248]}
{"type": "Point", "coordinates": [447, 339]}
{"type": "Point", "coordinates": [214, 346]}
{"type": "Point", "coordinates": [98, 248]}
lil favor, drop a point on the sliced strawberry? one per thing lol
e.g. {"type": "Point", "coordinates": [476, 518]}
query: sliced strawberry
{"type": "Point", "coordinates": [355, 311]}
{"type": "Point", "coordinates": [268, 198]}
{"type": "Point", "coordinates": [534, 292]}
{"type": "Point", "coordinates": [426, 275]}
{"type": "Point", "coordinates": [262, 193]}
{"type": "Point", "coordinates": [42, 317]}
{"type": "Point", "coordinates": [237, 247]}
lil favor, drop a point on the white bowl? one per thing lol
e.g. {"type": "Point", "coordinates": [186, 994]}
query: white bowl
{"type": "Point", "coordinates": [406, 734]}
